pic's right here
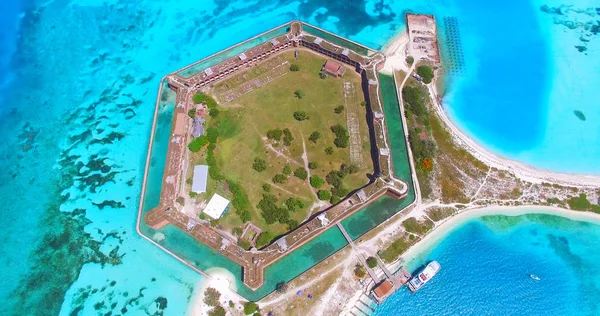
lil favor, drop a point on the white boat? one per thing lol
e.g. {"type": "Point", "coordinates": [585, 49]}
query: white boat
{"type": "Point", "coordinates": [535, 277]}
{"type": "Point", "coordinates": [423, 276]}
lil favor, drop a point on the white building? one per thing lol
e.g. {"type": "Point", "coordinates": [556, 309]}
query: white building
{"type": "Point", "coordinates": [200, 179]}
{"type": "Point", "coordinates": [216, 206]}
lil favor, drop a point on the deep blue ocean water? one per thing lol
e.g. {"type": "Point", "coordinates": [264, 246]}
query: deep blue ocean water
{"type": "Point", "coordinates": [78, 81]}
{"type": "Point", "coordinates": [486, 265]}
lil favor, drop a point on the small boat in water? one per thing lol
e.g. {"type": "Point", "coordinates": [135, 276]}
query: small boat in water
{"type": "Point", "coordinates": [423, 276]}
{"type": "Point", "coordinates": [535, 277]}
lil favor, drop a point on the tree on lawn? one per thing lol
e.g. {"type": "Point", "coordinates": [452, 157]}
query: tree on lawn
{"type": "Point", "coordinates": [314, 137]}
{"type": "Point", "coordinates": [197, 143]}
{"type": "Point", "coordinates": [259, 164]}
{"type": "Point", "coordinates": [300, 116]}
{"type": "Point", "coordinates": [323, 195]}
{"type": "Point", "coordinates": [339, 109]}
{"type": "Point", "coordinates": [301, 173]}
{"type": "Point", "coordinates": [299, 94]}
{"type": "Point", "coordinates": [279, 178]}
{"type": "Point", "coordinates": [287, 170]}
{"type": "Point", "coordinates": [316, 182]}
{"type": "Point", "coordinates": [274, 134]}
{"type": "Point", "coordinates": [287, 137]}
{"type": "Point", "coordinates": [292, 204]}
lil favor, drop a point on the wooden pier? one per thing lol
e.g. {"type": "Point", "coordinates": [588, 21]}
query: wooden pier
{"type": "Point", "coordinates": [383, 288]}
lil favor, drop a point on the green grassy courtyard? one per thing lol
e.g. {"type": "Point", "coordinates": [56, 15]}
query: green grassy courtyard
{"type": "Point", "coordinates": [272, 138]}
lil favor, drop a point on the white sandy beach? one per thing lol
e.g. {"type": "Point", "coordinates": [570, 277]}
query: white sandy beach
{"type": "Point", "coordinates": [395, 52]}
{"type": "Point", "coordinates": [442, 230]}
{"type": "Point", "coordinates": [223, 281]}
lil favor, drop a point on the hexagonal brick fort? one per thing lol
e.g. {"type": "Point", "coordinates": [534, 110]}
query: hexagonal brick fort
{"type": "Point", "coordinates": [363, 60]}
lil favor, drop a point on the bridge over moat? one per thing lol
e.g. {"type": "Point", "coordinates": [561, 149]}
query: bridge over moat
{"type": "Point", "coordinates": [254, 262]}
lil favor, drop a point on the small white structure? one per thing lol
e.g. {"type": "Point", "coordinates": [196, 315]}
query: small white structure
{"type": "Point", "coordinates": [216, 206]}
{"type": "Point", "coordinates": [362, 196]}
{"type": "Point", "coordinates": [324, 220]}
{"type": "Point", "coordinates": [200, 178]}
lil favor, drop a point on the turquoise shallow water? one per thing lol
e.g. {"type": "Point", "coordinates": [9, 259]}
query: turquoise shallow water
{"type": "Point", "coordinates": [486, 265]}
{"type": "Point", "coordinates": [77, 88]}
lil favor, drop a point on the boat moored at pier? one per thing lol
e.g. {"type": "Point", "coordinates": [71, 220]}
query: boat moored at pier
{"type": "Point", "coordinates": [423, 276]}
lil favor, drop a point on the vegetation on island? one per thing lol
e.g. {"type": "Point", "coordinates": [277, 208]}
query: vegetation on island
{"type": "Point", "coordinates": [263, 239]}
{"type": "Point", "coordinates": [301, 173]}
{"type": "Point", "coordinates": [259, 164]}
{"type": "Point", "coordinates": [397, 248]}
{"type": "Point", "coordinates": [581, 203]}
{"type": "Point", "coordinates": [300, 116]}
{"type": "Point", "coordinates": [437, 214]}
{"type": "Point", "coordinates": [316, 182]}
{"type": "Point", "coordinates": [250, 308]}
{"type": "Point", "coordinates": [255, 148]}
{"type": "Point", "coordinates": [371, 262]}
{"type": "Point", "coordinates": [211, 297]}
{"type": "Point", "coordinates": [359, 271]}
{"type": "Point", "coordinates": [426, 73]}
{"type": "Point", "coordinates": [217, 311]}
{"type": "Point", "coordinates": [323, 195]}
{"type": "Point", "coordinates": [439, 162]}
{"type": "Point", "coordinates": [410, 60]}
{"type": "Point", "coordinates": [341, 136]}
{"type": "Point", "coordinates": [418, 227]}
{"type": "Point", "coordinates": [204, 98]}
{"type": "Point", "coordinates": [314, 137]}
{"type": "Point", "coordinates": [198, 143]}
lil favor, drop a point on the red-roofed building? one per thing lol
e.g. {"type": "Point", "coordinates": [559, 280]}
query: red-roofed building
{"type": "Point", "coordinates": [383, 290]}
{"type": "Point", "coordinates": [334, 69]}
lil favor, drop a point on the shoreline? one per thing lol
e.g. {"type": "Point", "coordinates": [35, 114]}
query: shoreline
{"type": "Point", "coordinates": [395, 60]}
{"type": "Point", "coordinates": [520, 169]}
{"type": "Point", "coordinates": [447, 226]}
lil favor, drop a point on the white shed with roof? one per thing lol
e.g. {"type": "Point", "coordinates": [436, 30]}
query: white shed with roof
{"type": "Point", "coordinates": [216, 206]}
